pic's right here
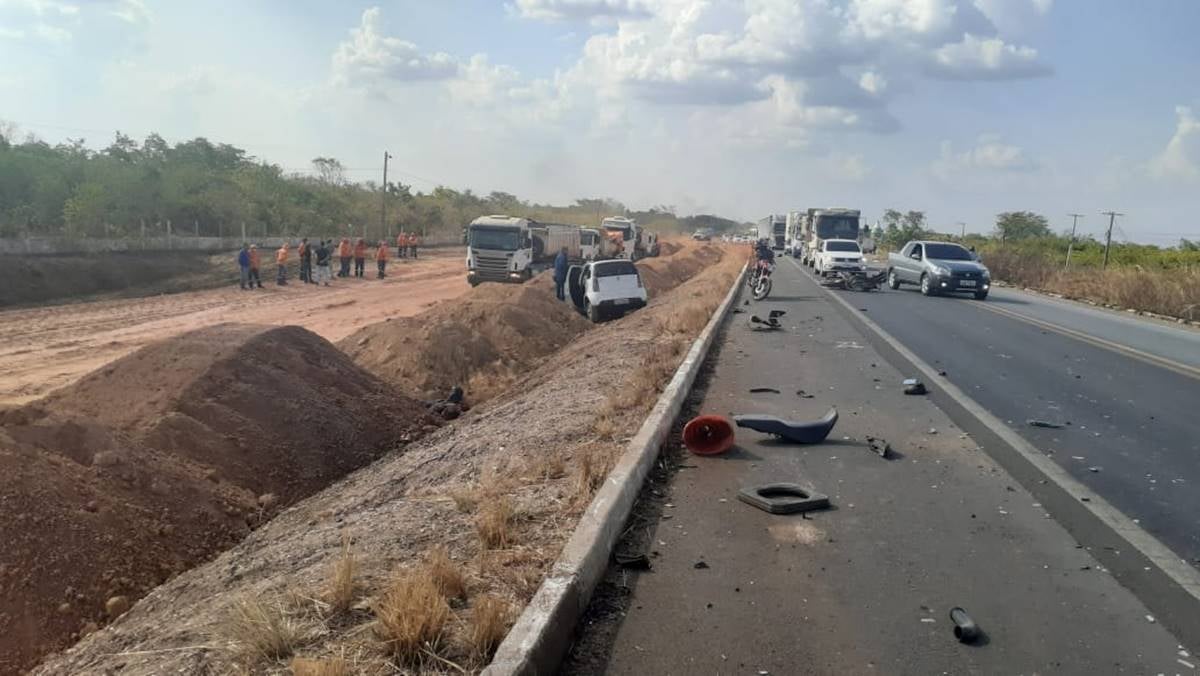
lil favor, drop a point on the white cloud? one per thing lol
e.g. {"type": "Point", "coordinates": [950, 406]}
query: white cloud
{"type": "Point", "coordinates": [848, 167]}
{"type": "Point", "coordinates": [1181, 158]}
{"type": "Point", "coordinates": [11, 33]}
{"type": "Point", "coordinates": [560, 10]}
{"type": "Point", "coordinates": [368, 57]}
{"type": "Point", "coordinates": [51, 33]}
{"type": "Point", "coordinates": [989, 154]}
{"type": "Point", "coordinates": [976, 58]}
{"type": "Point", "coordinates": [131, 12]}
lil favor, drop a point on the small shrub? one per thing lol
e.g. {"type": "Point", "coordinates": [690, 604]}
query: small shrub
{"type": "Point", "coordinates": [340, 593]}
{"type": "Point", "coordinates": [491, 618]}
{"type": "Point", "coordinates": [445, 573]}
{"type": "Point", "coordinates": [332, 666]}
{"type": "Point", "coordinates": [412, 616]}
{"type": "Point", "coordinates": [494, 522]}
{"type": "Point", "coordinates": [263, 629]}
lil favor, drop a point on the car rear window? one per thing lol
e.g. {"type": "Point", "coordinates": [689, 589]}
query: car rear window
{"type": "Point", "coordinates": [616, 269]}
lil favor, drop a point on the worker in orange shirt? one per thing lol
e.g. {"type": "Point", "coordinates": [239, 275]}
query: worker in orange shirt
{"type": "Point", "coordinates": [343, 251]}
{"type": "Point", "coordinates": [413, 242]}
{"type": "Point", "coordinates": [360, 256]}
{"type": "Point", "coordinates": [381, 257]}
{"type": "Point", "coordinates": [254, 262]}
{"type": "Point", "coordinates": [401, 244]}
{"type": "Point", "coordinates": [281, 256]}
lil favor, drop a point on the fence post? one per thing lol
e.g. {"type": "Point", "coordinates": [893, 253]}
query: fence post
{"type": "Point", "coordinates": [169, 243]}
{"type": "Point", "coordinates": [243, 232]}
{"type": "Point", "coordinates": [143, 238]}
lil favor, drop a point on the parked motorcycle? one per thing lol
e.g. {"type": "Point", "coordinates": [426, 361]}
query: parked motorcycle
{"type": "Point", "coordinates": [759, 279]}
{"type": "Point", "coordinates": [856, 280]}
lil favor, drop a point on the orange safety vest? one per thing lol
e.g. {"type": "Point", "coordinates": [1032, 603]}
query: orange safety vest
{"type": "Point", "coordinates": [344, 248]}
{"type": "Point", "coordinates": [254, 258]}
{"type": "Point", "coordinates": [382, 253]}
{"type": "Point", "coordinates": [360, 249]}
{"type": "Point", "coordinates": [281, 255]}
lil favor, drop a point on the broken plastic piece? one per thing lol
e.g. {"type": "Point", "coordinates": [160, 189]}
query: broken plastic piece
{"type": "Point", "coordinates": [813, 432]}
{"type": "Point", "coordinates": [761, 390]}
{"type": "Point", "coordinates": [1045, 423]}
{"type": "Point", "coordinates": [914, 386]}
{"type": "Point", "coordinates": [879, 446]}
{"type": "Point", "coordinates": [783, 498]}
{"type": "Point", "coordinates": [708, 435]}
{"type": "Point", "coordinates": [632, 561]}
{"type": "Point", "coordinates": [965, 629]}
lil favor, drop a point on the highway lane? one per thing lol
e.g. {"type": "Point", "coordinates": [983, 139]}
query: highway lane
{"type": "Point", "coordinates": [1134, 433]}
{"type": "Point", "coordinates": [1178, 344]}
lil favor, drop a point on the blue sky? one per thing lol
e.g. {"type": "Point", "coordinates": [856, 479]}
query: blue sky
{"type": "Point", "coordinates": [961, 108]}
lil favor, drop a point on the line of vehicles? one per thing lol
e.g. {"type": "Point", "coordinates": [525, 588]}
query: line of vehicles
{"type": "Point", "coordinates": [512, 249]}
{"type": "Point", "coordinates": [833, 244]}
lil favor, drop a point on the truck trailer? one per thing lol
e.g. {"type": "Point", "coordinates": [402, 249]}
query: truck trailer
{"type": "Point", "coordinates": [773, 228]}
{"type": "Point", "coordinates": [512, 249]}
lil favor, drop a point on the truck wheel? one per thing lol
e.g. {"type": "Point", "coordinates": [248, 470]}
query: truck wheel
{"type": "Point", "coordinates": [893, 280]}
{"type": "Point", "coordinates": [592, 312]}
{"type": "Point", "coordinates": [927, 286]}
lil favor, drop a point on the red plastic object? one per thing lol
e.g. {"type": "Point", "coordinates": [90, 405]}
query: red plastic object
{"type": "Point", "coordinates": [708, 435]}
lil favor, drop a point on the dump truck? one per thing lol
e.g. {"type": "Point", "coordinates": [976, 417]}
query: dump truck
{"type": "Point", "coordinates": [512, 249]}
{"type": "Point", "coordinates": [631, 240]}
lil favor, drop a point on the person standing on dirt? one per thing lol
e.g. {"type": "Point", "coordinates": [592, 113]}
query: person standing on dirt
{"type": "Point", "coordinates": [305, 261]}
{"type": "Point", "coordinates": [244, 266]}
{"type": "Point", "coordinates": [413, 242]}
{"type": "Point", "coordinates": [560, 273]}
{"type": "Point", "coordinates": [323, 255]}
{"type": "Point", "coordinates": [381, 258]}
{"type": "Point", "coordinates": [281, 256]}
{"type": "Point", "coordinates": [360, 256]}
{"type": "Point", "coordinates": [401, 244]}
{"type": "Point", "coordinates": [255, 261]}
{"type": "Point", "coordinates": [344, 256]}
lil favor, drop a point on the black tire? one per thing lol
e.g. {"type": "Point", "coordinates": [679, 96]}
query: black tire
{"type": "Point", "coordinates": [893, 280]}
{"type": "Point", "coordinates": [927, 286]}
{"type": "Point", "coordinates": [762, 289]}
{"type": "Point", "coordinates": [592, 312]}
{"type": "Point", "coordinates": [981, 295]}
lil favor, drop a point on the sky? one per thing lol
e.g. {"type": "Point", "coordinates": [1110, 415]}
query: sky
{"type": "Point", "coordinates": [959, 108]}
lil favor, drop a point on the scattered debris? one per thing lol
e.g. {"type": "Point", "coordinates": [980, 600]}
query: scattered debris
{"type": "Point", "coordinates": [933, 430]}
{"type": "Point", "coordinates": [783, 498]}
{"type": "Point", "coordinates": [914, 386]}
{"type": "Point", "coordinates": [803, 395]}
{"type": "Point", "coordinates": [1095, 469]}
{"type": "Point", "coordinates": [708, 435]}
{"type": "Point", "coordinates": [738, 311]}
{"type": "Point", "coordinates": [1044, 423]}
{"type": "Point", "coordinates": [760, 390]}
{"type": "Point", "coordinates": [759, 324]}
{"type": "Point", "coordinates": [632, 561]}
{"type": "Point", "coordinates": [941, 373]}
{"type": "Point", "coordinates": [700, 565]}
{"type": "Point", "coordinates": [879, 446]}
{"type": "Point", "coordinates": [813, 432]}
{"type": "Point", "coordinates": [965, 629]}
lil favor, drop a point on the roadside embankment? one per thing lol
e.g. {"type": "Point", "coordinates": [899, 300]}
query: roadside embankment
{"type": "Point", "coordinates": [425, 558]}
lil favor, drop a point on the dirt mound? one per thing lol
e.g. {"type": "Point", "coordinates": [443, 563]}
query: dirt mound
{"type": "Point", "coordinates": [482, 340]}
{"type": "Point", "coordinates": [167, 456]}
{"type": "Point", "coordinates": [670, 270]}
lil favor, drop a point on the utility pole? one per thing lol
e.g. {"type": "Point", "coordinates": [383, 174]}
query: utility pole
{"type": "Point", "coordinates": [962, 230]}
{"type": "Point", "coordinates": [1071, 244]}
{"type": "Point", "coordinates": [1112, 217]}
{"type": "Point", "coordinates": [383, 226]}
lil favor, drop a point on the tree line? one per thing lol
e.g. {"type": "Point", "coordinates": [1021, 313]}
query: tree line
{"type": "Point", "coordinates": [212, 189]}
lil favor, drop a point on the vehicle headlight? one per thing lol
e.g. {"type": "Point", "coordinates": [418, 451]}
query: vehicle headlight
{"type": "Point", "coordinates": [941, 270]}
{"type": "Point", "coordinates": [985, 272]}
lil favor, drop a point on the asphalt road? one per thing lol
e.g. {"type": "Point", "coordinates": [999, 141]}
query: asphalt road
{"type": "Point", "coordinates": [1132, 428]}
{"type": "Point", "coordinates": [866, 586]}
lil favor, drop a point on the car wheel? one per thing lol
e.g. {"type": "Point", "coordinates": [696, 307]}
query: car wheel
{"type": "Point", "coordinates": [927, 286]}
{"type": "Point", "coordinates": [981, 295]}
{"type": "Point", "coordinates": [593, 312]}
{"type": "Point", "coordinates": [893, 280]}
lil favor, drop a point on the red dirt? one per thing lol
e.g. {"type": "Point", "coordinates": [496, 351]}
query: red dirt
{"type": "Point", "coordinates": [156, 463]}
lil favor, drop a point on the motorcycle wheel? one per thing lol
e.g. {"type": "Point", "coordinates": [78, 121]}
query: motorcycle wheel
{"type": "Point", "coordinates": [762, 289]}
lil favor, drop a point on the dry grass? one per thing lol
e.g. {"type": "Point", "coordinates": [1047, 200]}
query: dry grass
{"type": "Point", "coordinates": [494, 522]}
{"type": "Point", "coordinates": [412, 616]}
{"type": "Point", "coordinates": [332, 666]}
{"type": "Point", "coordinates": [547, 466]}
{"type": "Point", "coordinates": [605, 425]}
{"type": "Point", "coordinates": [263, 629]}
{"type": "Point", "coordinates": [465, 499]}
{"type": "Point", "coordinates": [491, 618]}
{"type": "Point", "coordinates": [445, 573]}
{"type": "Point", "coordinates": [341, 587]}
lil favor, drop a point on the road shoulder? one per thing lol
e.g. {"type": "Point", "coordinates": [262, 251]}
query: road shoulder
{"type": "Point", "coordinates": [866, 585]}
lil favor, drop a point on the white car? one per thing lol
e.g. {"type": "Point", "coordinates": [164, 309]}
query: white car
{"type": "Point", "coordinates": [605, 289]}
{"type": "Point", "coordinates": [837, 254]}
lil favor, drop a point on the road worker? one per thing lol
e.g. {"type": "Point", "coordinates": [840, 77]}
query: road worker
{"type": "Point", "coordinates": [344, 257]}
{"type": "Point", "coordinates": [254, 264]}
{"type": "Point", "coordinates": [413, 242]}
{"type": "Point", "coordinates": [381, 258]}
{"type": "Point", "coordinates": [281, 258]}
{"type": "Point", "coordinates": [360, 256]}
{"type": "Point", "coordinates": [306, 262]}
{"type": "Point", "coordinates": [243, 260]}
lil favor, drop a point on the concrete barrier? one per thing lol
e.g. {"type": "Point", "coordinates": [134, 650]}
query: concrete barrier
{"type": "Point", "coordinates": [539, 639]}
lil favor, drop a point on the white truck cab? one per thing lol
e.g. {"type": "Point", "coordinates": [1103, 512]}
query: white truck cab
{"type": "Point", "coordinates": [837, 254]}
{"type": "Point", "coordinates": [606, 289]}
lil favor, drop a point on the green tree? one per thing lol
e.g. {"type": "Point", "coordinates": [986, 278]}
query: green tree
{"type": "Point", "coordinates": [1014, 225]}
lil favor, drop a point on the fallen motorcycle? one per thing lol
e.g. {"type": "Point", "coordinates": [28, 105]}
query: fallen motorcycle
{"type": "Point", "coordinates": [856, 280]}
